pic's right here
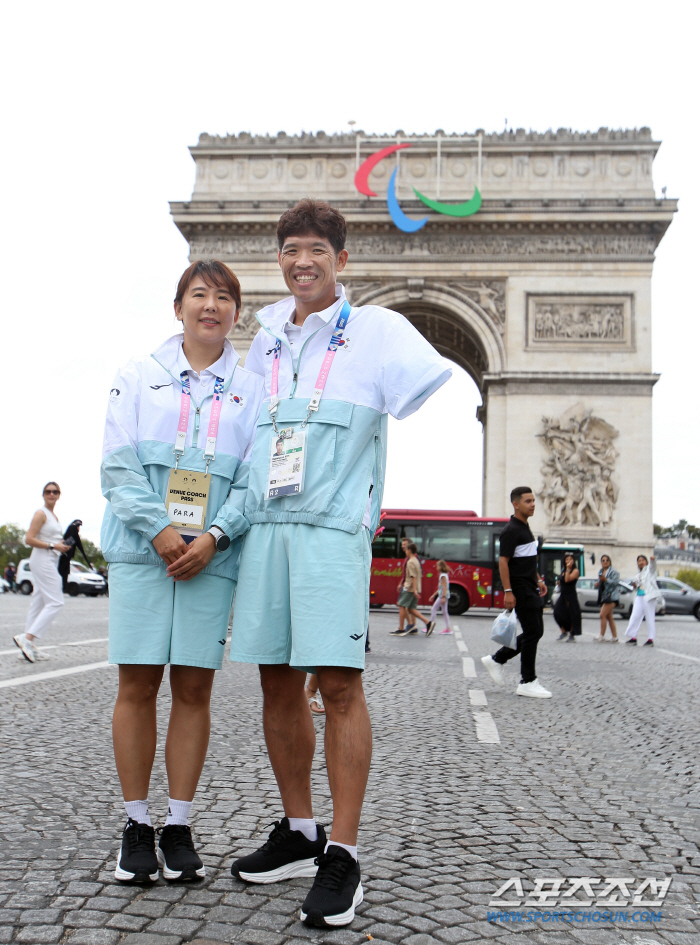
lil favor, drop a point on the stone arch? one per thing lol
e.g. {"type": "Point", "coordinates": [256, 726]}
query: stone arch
{"type": "Point", "coordinates": [453, 322]}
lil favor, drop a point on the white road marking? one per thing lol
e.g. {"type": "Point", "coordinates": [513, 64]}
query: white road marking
{"type": "Point", "coordinates": [486, 730]}
{"type": "Point", "coordinates": [477, 697]}
{"type": "Point", "coordinates": [468, 667]}
{"type": "Point", "coordinates": [458, 634]}
{"type": "Point", "coordinates": [57, 646]}
{"type": "Point", "coordinates": [462, 646]}
{"type": "Point", "coordinates": [52, 674]}
{"type": "Point", "coordinates": [683, 656]}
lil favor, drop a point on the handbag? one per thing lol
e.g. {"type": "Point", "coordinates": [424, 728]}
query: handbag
{"type": "Point", "coordinates": [505, 629]}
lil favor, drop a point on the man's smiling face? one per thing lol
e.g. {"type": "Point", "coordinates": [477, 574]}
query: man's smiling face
{"type": "Point", "coordinates": [310, 267]}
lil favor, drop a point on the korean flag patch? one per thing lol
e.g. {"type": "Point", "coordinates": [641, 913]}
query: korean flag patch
{"type": "Point", "coordinates": [235, 398]}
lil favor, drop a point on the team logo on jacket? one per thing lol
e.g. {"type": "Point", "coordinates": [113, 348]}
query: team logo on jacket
{"type": "Point", "coordinates": [235, 398]}
{"type": "Point", "coordinates": [114, 393]}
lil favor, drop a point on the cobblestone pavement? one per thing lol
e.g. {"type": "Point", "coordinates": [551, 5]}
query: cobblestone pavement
{"type": "Point", "coordinates": [470, 787]}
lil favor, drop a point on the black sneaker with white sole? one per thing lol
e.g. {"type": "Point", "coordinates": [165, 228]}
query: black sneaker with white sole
{"type": "Point", "coordinates": [177, 856]}
{"type": "Point", "coordinates": [137, 862]}
{"type": "Point", "coordinates": [285, 853]}
{"type": "Point", "coordinates": [336, 891]}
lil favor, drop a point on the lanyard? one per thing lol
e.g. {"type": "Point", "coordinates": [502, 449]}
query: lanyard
{"type": "Point", "coordinates": [181, 435]}
{"type": "Point", "coordinates": [322, 375]}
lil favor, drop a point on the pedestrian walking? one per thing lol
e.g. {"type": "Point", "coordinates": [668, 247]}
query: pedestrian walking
{"type": "Point", "coordinates": [608, 585]}
{"type": "Point", "coordinates": [409, 596]}
{"type": "Point", "coordinates": [71, 537]}
{"type": "Point", "coordinates": [441, 596]}
{"type": "Point", "coordinates": [178, 439]}
{"type": "Point", "coordinates": [332, 375]}
{"type": "Point", "coordinates": [405, 542]}
{"type": "Point", "coordinates": [45, 538]}
{"type": "Point", "coordinates": [524, 589]}
{"type": "Point", "coordinates": [644, 607]}
{"type": "Point", "coordinates": [313, 696]}
{"type": "Point", "coordinates": [567, 610]}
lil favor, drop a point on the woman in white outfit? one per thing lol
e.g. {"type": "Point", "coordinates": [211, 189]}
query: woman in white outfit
{"type": "Point", "coordinates": [45, 538]}
{"type": "Point", "coordinates": [645, 601]}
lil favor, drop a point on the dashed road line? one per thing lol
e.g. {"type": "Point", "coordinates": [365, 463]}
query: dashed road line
{"type": "Point", "coordinates": [468, 667]}
{"type": "Point", "coordinates": [462, 646]}
{"type": "Point", "coordinates": [477, 697]}
{"type": "Point", "coordinates": [486, 730]}
{"type": "Point", "coordinates": [52, 674]}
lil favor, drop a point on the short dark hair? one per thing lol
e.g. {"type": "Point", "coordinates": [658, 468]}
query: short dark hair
{"type": "Point", "coordinates": [413, 548]}
{"type": "Point", "coordinates": [643, 556]}
{"type": "Point", "coordinates": [313, 216]}
{"type": "Point", "coordinates": [518, 491]}
{"type": "Point", "coordinates": [214, 273]}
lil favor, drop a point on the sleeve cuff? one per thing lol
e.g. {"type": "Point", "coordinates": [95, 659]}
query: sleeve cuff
{"type": "Point", "coordinates": [157, 528]}
{"type": "Point", "coordinates": [229, 530]}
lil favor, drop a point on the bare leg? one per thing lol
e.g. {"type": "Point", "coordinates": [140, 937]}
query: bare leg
{"type": "Point", "coordinates": [188, 729]}
{"type": "Point", "coordinates": [419, 616]}
{"type": "Point", "coordinates": [603, 619]}
{"type": "Point", "coordinates": [611, 621]}
{"type": "Point", "coordinates": [403, 617]}
{"type": "Point", "coordinates": [289, 735]}
{"type": "Point", "coordinates": [134, 728]}
{"type": "Point", "coordinates": [348, 747]}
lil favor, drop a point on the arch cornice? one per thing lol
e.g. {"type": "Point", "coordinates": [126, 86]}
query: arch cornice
{"type": "Point", "coordinates": [446, 303]}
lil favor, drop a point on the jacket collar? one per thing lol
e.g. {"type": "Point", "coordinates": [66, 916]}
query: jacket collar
{"type": "Point", "coordinates": [171, 356]}
{"type": "Point", "coordinates": [273, 317]}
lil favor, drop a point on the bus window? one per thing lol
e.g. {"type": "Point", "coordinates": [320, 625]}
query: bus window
{"type": "Point", "coordinates": [386, 544]}
{"type": "Point", "coordinates": [414, 533]}
{"type": "Point", "coordinates": [450, 541]}
{"type": "Point", "coordinates": [480, 551]}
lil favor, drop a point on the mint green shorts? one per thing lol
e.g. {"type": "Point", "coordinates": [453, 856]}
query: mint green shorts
{"type": "Point", "coordinates": [154, 620]}
{"type": "Point", "coordinates": [303, 597]}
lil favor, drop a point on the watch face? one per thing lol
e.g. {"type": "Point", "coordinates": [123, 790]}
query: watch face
{"type": "Point", "coordinates": [222, 543]}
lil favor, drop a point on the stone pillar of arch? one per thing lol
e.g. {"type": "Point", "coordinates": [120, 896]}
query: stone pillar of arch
{"type": "Point", "coordinates": [543, 296]}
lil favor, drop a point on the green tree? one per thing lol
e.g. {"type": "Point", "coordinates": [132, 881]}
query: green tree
{"type": "Point", "coordinates": [12, 547]}
{"type": "Point", "coordinates": [94, 553]}
{"type": "Point", "coordinates": [690, 576]}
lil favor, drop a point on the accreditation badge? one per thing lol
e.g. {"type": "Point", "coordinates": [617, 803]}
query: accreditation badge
{"type": "Point", "coordinates": [287, 463]}
{"type": "Point", "coordinates": [186, 501]}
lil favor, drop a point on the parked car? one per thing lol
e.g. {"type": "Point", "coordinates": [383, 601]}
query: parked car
{"type": "Point", "coordinates": [4, 586]}
{"type": "Point", "coordinates": [587, 594]}
{"type": "Point", "coordinates": [81, 580]}
{"type": "Point", "coordinates": [680, 598]}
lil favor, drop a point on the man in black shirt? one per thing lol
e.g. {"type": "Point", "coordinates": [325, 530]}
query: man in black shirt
{"type": "Point", "coordinates": [525, 591]}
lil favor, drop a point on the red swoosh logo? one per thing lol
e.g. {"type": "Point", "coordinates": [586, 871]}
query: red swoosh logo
{"type": "Point", "coordinates": [366, 168]}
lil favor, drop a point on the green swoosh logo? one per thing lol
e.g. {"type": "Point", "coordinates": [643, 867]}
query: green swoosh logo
{"type": "Point", "coordinates": [465, 209]}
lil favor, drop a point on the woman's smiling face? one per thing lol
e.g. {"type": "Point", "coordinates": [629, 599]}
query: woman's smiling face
{"type": "Point", "coordinates": [207, 312]}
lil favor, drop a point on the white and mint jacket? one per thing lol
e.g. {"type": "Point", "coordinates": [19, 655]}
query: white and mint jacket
{"type": "Point", "coordinates": [142, 420]}
{"type": "Point", "coordinates": [383, 366]}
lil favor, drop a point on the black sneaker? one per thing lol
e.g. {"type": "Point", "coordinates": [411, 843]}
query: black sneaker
{"type": "Point", "coordinates": [177, 856]}
{"type": "Point", "coordinates": [632, 642]}
{"type": "Point", "coordinates": [137, 861]}
{"type": "Point", "coordinates": [649, 643]}
{"type": "Point", "coordinates": [336, 891]}
{"type": "Point", "coordinates": [285, 853]}
{"type": "Point", "coordinates": [429, 629]}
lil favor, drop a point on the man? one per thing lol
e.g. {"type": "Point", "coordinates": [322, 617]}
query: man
{"type": "Point", "coordinates": [410, 593]}
{"type": "Point", "coordinates": [10, 575]}
{"type": "Point", "coordinates": [71, 537]}
{"type": "Point", "coordinates": [524, 590]}
{"type": "Point", "coordinates": [303, 592]}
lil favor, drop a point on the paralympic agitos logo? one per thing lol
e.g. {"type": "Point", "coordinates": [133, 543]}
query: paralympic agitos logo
{"type": "Point", "coordinates": [402, 221]}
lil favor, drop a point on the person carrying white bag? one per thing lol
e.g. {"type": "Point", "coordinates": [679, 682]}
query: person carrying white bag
{"type": "Point", "coordinates": [524, 592]}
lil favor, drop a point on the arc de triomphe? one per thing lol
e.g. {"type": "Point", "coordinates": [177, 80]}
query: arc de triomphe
{"type": "Point", "coordinates": [543, 296]}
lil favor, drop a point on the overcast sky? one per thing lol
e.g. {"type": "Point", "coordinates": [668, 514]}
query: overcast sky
{"type": "Point", "coordinates": [103, 100]}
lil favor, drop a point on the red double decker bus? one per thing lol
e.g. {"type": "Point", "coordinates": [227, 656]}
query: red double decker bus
{"type": "Point", "coordinates": [467, 543]}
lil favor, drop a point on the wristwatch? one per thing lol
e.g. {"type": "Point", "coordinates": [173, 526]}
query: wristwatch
{"type": "Point", "coordinates": [50, 544]}
{"type": "Point", "coordinates": [220, 537]}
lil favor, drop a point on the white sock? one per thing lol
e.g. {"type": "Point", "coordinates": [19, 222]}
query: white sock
{"type": "Point", "coordinates": [138, 811]}
{"type": "Point", "coordinates": [351, 850]}
{"type": "Point", "coordinates": [306, 826]}
{"type": "Point", "coordinates": [178, 812]}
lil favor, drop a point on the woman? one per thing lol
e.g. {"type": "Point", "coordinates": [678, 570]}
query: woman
{"type": "Point", "coordinates": [441, 597]}
{"type": "Point", "coordinates": [567, 611]}
{"type": "Point", "coordinates": [608, 585]}
{"type": "Point", "coordinates": [45, 538]}
{"type": "Point", "coordinates": [644, 606]}
{"type": "Point", "coordinates": [175, 480]}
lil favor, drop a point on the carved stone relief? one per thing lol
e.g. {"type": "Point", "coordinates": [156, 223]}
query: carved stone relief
{"type": "Point", "coordinates": [579, 488]}
{"type": "Point", "coordinates": [579, 321]}
{"type": "Point", "coordinates": [246, 328]}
